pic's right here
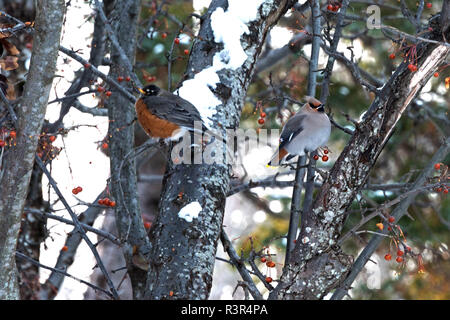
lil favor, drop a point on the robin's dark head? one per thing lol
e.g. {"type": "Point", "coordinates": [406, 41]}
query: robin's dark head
{"type": "Point", "coordinates": [150, 90]}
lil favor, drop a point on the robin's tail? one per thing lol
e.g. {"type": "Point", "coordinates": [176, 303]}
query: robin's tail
{"type": "Point", "coordinates": [277, 157]}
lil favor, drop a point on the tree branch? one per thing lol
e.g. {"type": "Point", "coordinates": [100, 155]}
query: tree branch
{"type": "Point", "coordinates": [316, 250]}
{"type": "Point", "coordinates": [398, 212]}
{"type": "Point", "coordinates": [18, 162]}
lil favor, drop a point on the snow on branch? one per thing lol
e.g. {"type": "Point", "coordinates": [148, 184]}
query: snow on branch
{"type": "Point", "coordinates": [228, 27]}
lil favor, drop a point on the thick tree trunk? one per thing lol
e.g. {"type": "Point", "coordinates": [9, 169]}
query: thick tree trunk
{"type": "Point", "coordinates": [121, 113]}
{"type": "Point", "coordinates": [183, 253]}
{"type": "Point", "coordinates": [32, 234]}
{"type": "Point", "coordinates": [317, 264]}
{"type": "Point", "coordinates": [18, 162]}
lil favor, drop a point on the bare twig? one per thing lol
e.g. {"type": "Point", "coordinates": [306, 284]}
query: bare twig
{"type": "Point", "coordinates": [102, 112]}
{"type": "Point", "coordinates": [311, 90]}
{"type": "Point", "coordinates": [383, 207]}
{"type": "Point", "coordinates": [100, 74]}
{"type": "Point", "coordinates": [37, 263]}
{"type": "Point", "coordinates": [239, 264]}
{"type": "Point", "coordinates": [78, 226]}
{"type": "Point", "coordinates": [115, 42]}
{"type": "Point", "coordinates": [87, 227]}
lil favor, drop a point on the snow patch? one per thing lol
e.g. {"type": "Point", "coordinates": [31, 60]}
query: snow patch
{"type": "Point", "coordinates": [190, 211]}
{"type": "Point", "coordinates": [228, 27]}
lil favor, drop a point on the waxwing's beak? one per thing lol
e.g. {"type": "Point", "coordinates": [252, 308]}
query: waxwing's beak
{"type": "Point", "coordinates": [320, 108]}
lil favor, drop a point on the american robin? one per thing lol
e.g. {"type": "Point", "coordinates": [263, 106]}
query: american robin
{"type": "Point", "coordinates": [307, 130]}
{"type": "Point", "coordinates": [165, 115]}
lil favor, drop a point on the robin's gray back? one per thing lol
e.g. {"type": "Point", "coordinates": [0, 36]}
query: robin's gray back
{"type": "Point", "coordinates": [172, 108]}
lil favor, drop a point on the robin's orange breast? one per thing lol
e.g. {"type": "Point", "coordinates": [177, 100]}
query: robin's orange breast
{"type": "Point", "coordinates": [154, 126]}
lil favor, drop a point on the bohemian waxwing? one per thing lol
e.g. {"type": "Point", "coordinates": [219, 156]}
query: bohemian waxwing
{"type": "Point", "coordinates": [304, 132]}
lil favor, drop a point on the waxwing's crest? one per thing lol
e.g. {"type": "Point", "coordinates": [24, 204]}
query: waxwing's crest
{"type": "Point", "coordinates": [313, 101]}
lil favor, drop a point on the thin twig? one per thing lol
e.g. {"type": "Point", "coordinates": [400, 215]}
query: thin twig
{"type": "Point", "coordinates": [78, 226]}
{"type": "Point", "coordinates": [37, 263]}
{"type": "Point", "coordinates": [87, 227]}
{"type": "Point", "coordinates": [97, 72]}
{"type": "Point", "coordinates": [238, 263]}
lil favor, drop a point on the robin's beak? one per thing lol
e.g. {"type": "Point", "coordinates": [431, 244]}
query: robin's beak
{"type": "Point", "coordinates": [141, 91]}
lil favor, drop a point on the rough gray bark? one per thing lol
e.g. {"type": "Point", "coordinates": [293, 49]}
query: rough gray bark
{"type": "Point", "coordinates": [183, 254]}
{"type": "Point", "coordinates": [318, 265]}
{"type": "Point", "coordinates": [32, 234]}
{"type": "Point", "coordinates": [123, 182]}
{"type": "Point", "coordinates": [19, 160]}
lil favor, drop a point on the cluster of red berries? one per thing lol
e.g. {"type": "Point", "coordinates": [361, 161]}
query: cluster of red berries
{"type": "Point", "coordinates": [334, 6]}
{"type": "Point", "coordinates": [411, 57]}
{"type": "Point", "coordinates": [412, 67]}
{"type": "Point", "coordinates": [120, 78]}
{"type": "Point", "coordinates": [443, 189]}
{"type": "Point", "coordinates": [262, 115]}
{"type": "Point", "coordinates": [176, 41]}
{"type": "Point", "coordinates": [270, 264]}
{"type": "Point", "coordinates": [77, 190]}
{"type": "Point", "coordinates": [149, 78]}
{"type": "Point", "coordinates": [400, 253]}
{"type": "Point", "coordinates": [399, 258]}
{"type": "Point", "coordinates": [101, 89]}
{"type": "Point", "coordinates": [381, 225]}
{"type": "Point", "coordinates": [429, 5]}
{"type": "Point", "coordinates": [12, 135]}
{"type": "Point", "coordinates": [324, 157]}
{"type": "Point", "coordinates": [107, 202]}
